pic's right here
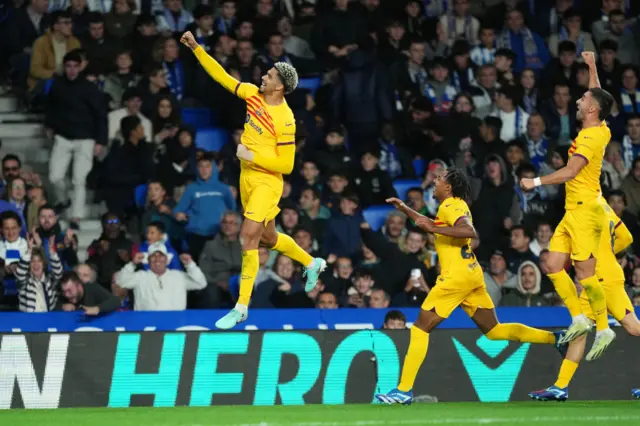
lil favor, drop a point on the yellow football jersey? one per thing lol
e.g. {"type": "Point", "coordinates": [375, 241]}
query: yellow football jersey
{"type": "Point", "coordinates": [590, 145]}
{"type": "Point", "coordinates": [607, 266]}
{"type": "Point", "coordinates": [455, 254]}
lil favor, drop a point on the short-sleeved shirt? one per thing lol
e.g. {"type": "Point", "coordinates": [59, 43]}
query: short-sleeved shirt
{"type": "Point", "coordinates": [590, 145]}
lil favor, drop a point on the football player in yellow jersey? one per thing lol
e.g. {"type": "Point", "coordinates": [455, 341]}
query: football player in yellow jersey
{"type": "Point", "coordinates": [615, 238]}
{"type": "Point", "coordinates": [460, 283]}
{"type": "Point", "coordinates": [577, 237]}
{"type": "Point", "coordinates": [266, 152]}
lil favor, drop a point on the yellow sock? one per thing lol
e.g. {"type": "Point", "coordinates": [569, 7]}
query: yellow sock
{"type": "Point", "coordinates": [567, 291]}
{"type": "Point", "coordinates": [250, 266]}
{"type": "Point", "coordinates": [418, 346]}
{"type": "Point", "coordinates": [289, 248]}
{"type": "Point", "coordinates": [597, 300]}
{"type": "Point", "coordinates": [520, 333]}
{"type": "Point", "coordinates": [567, 370]}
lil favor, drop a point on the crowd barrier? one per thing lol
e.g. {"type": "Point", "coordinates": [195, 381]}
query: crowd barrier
{"type": "Point", "coordinates": [160, 369]}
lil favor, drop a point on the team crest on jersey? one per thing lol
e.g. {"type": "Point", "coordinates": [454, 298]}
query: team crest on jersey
{"type": "Point", "coordinates": [259, 112]}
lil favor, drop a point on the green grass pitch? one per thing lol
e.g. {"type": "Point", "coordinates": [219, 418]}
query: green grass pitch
{"type": "Point", "coordinates": [605, 413]}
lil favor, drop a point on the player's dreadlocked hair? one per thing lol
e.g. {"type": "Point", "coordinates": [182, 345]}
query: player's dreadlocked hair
{"type": "Point", "coordinates": [288, 76]}
{"type": "Point", "coordinates": [459, 183]}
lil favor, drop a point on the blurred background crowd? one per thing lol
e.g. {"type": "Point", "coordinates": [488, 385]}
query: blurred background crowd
{"type": "Point", "coordinates": [392, 92]}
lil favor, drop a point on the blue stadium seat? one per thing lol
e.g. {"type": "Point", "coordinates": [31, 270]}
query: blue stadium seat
{"type": "Point", "coordinates": [376, 216]}
{"type": "Point", "coordinates": [402, 186]}
{"type": "Point", "coordinates": [199, 118]}
{"type": "Point", "coordinates": [141, 195]}
{"type": "Point", "coordinates": [234, 286]}
{"type": "Point", "coordinates": [419, 165]}
{"type": "Point", "coordinates": [211, 139]}
{"type": "Point", "coordinates": [311, 83]}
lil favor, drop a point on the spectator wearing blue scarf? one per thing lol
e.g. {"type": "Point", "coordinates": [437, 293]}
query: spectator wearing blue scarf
{"type": "Point", "coordinates": [226, 22]}
{"type": "Point", "coordinates": [173, 67]}
{"type": "Point", "coordinates": [394, 159]}
{"type": "Point", "coordinates": [535, 141]}
{"type": "Point", "coordinates": [529, 47]}
{"type": "Point", "coordinates": [173, 17]}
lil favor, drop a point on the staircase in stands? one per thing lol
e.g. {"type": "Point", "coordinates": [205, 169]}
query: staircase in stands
{"type": "Point", "coordinates": [23, 134]}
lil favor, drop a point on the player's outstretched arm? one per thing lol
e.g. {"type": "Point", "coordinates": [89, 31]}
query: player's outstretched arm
{"type": "Point", "coordinates": [565, 174]}
{"type": "Point", "coordinates": [590, 60]}
{"type": "Point", "coordinates": [421, 221]}
{"type": "Point", "coordinates": [212, 67]}
{"type": "Point", "coordinates": [623, 238]}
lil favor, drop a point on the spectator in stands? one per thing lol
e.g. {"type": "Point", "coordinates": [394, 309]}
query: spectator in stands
{"type": "Point", "coordinates": [631, 188]}
{"type": "Point", "coordinates": [89, 297]}
{"type": "Point", "coordinates": [535, 141]}
{"type": "Point", "coordinates": [630, 93]}
{"type": "Point", "coordinates": [395, 42]}
{"type": "Point", "coordinates": [394, 158]}
{"type": "Point", "coordinates": [159, 208]}
{"type": "Point", "coordinates": [123, 78]}
{"type": "Point", "coordinates": [166, 120]}
{"type": "Point", "coordinates": [37, 199]}
{"type": "Point", "coordinates": [496, 207]}
{"type": "Point", "coordinates": [174, 17]}
{"type": "Point", "coordinates": [341, 277]}
{"type": "Point", "coordinates": [572, 31]}
{"type": "Point", "coordinates": [154, 88]}
{"type": "Point", "coordinates": [520, 251]}
{"type": "Point", "coordinates": [410, 77]}
{"type": "Point", "coordinates": [227, 21]}
{"type": "Point", "coordinates": [527, 292]}
{"type": "Point", "coordinates": [313, 213]}
{"type": "Point", "coordinates": [178, 72]}
{"type": "Point", "coordinates": [360, 292]}
{"type": "Point", "coordinates": [305, 239]}
{"type": "Point", "coordinates": [282, 290]}
{"type": "Point", "coordinates": [79, 12]}
{"type": "Point", "coordinates": [342, 235]}
{"type": "Point", "coordinates": [497, 277]}
{"type": "Point", "coordinates": [484, 52]}
{"type": "Point", "coordinates": [489, 143]}
{"type": "Point", "coordinates": [66, 243]}
{"type": "Point", "coordinates": [50, 48]}
{"type": "Point", "coordinates": [531, 93]}
{"type": "Point", "coordinates": [613, 167]}
{"type": "Point", "coordinates": [438, 89]}
{"type": "Point", "coordinates": [484, 92]}
{"type": "Point", "coordinates": [143, 40]}
{"type": "Point", "coordinates": [203, 205]}
{"type": "Point", "coordinates": [156, 234]}
{"type": "Point", "coordinates": [617, 29]}
{"type": "Point", "coordinates": [220, 259]}
{"type": "Point", "coordinates": [12, 248]}
{"type": "Point", "coordinates": [25, 25]}
{"type": "Point", "coordinates": [460, 24]}
{"type": "Point", "coordinates": [86, 273]}
{"type": "Point", "coordinates": [514, 118]}
{"type": "Point", "coordinates": [264, 22]}
{"type": "Point", "coordinates": [37, 281]}
{"type": "Point", "coordinates": [528, 46]}
{"type": "Point", "coordinates": [129, 164]}
{"type": "Point", "coordinates": [337, 184]}
{"type": "Point", "coordinates": [177, 166]}
{"type": "Point", "coordinates": [542, 238]}
{"type": "Point", "coordinates": [505, 62]}
{"type": "Point", "coordinates": [76, 117]}
{"type": "Point", "coordinates": [634, 290]}
{"type": "Point", "coordinates": [121, 19]}
{"type": "Point", "coordinates": [415, 200]}
{"type": "Point", "coordinates": [609, 68]}
{"type": "Point", "coordinates": [516, 157]}
{"type": "Point", "coordinates": [394, 228]}
{"type": "Point", "coordinates": [395, 320]}
{"type": "Point", "coordinates": [111, 250]}
{"type": "Point", "coordinates": [631, 141]}
{"type": "Point", "coordinates": [160, 289]}
{"type": "Point", "coordinates": [463, 126]}
{"type": "Point", "coordinates": [132, 102]}
{"type": "Point", "coordinates": [415, 291]}
{"type": "Point", "coordinates": [618, 202]}
{"type": "Point", "coordinates": [534, 205]}
{"type": "Point", "coordinates": [379, 299]}
{"type": "Point", "coordinates": [275, 53]}
{"type": "Point", "coordinates": [101, 48]}
{"type": "Point", "coordinates": [372, 184]}
{"type": "Point", "coordinates": [326, 300]}
{"type": "Point", "coordinates": [16, 195]}
{"type": "Point", "coordinates": [333, 156]}
{"type": "Point", "coordinates": [293, 44]}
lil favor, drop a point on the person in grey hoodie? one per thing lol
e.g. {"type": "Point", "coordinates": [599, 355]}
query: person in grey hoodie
{"type": "Point", "coordinates": [497, 277]}
{"type": "Point", "coordinates": [527, 292]}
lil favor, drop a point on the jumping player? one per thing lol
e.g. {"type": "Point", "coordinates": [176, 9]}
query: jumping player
{"type": "Point", "coordinates": [266, 152]}
{"type": "Point", "coordinates": [577, 237]}
{"type": "Point", "coordinates": [461, 283]}
{"type": "Point", "coordinates": [615, 238]}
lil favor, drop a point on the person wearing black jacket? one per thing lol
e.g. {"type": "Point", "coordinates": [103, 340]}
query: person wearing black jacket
{"type": "Point", "coordinates": [129, 164]}
{"type": "Point", "coordinates": [76, 115]}
{"type": "Point", "coordinates": [91, 298]}
{"type": "Point", "coordinates": [373, 185]}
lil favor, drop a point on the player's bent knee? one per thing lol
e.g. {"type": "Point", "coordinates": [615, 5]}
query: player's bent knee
{"type": "Point", "coordinates": [427, 321]}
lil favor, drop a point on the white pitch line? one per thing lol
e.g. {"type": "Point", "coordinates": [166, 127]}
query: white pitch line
{"type": "Point", "coordinates": [448, 421]}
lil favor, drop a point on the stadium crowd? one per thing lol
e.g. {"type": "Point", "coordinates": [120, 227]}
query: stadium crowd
{"type": "Point", "coordinates": [404, 89]}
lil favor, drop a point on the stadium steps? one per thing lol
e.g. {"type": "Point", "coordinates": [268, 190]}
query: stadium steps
{"type": "Point", "coordinates": [8, 104]}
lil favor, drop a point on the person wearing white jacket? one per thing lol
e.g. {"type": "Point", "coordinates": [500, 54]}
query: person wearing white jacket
{"type": "Point", "coordinates": [159, 288]}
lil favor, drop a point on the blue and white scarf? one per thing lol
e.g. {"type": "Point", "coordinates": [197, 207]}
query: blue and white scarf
{"type": "Point", "coordinates": [629, 152]}
{"type": "Point", "coordinates": [530, 101]}
{"type": "Point", "coordinates": [435, 8]}
{"type": "Point", "coordinates": [442, 106]}
{"type": "Point", "coordinates": [390, 159]}
{"type": "Point", "coordinates": [220, 24]}
{"type": "Point", "coordinates": [458, 83]}
{"type": "Point", "coordinates": [481, 55]}
{"type": "Point", "coordinates": [530, 48]}
{"type": "Point", "coordinates": [627, 104]}
{"type": "Point", "coordinates": [564, 35]}
{"type": "Point", "coordinates": [175, 78]}
{"type": "Point", "coordinates": [174, 24]}
{"type": "Point", "coordinates": [538, 151]}
{"type": "Point", "coordinates": [11, 252]}
{"type": "Point", "coordinates": [452, 28]}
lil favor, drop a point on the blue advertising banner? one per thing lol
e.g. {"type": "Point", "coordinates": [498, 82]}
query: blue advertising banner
{"type": "Point", "coordinates": [259, 319]}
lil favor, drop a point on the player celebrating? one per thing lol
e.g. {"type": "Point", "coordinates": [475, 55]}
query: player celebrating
{"type": "Point", "coordinates": [266, 152]}
{"type": "Point", "coordinates": [461, 283]}
{"type": "Point", "coordinates": [615, 238]}
{"type": "Point", "coordinates": [578, 234]}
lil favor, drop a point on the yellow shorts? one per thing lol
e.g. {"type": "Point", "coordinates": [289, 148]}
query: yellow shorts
{"type": "Point", "coordinates": [579, 232]}
{"type": "Point", "coordinates": [260, 195]}
{"type": "Point", "coordinates": [470, 293]}
{"type": "Point", "coordinates": [618, 302]}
